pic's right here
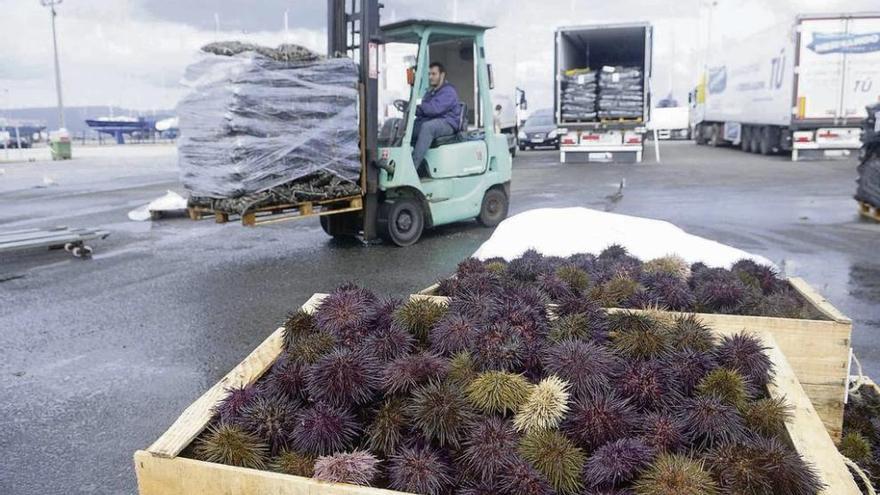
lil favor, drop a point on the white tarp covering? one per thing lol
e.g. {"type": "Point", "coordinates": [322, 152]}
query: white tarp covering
{"type": "Point", "coordinates": [568, 231]}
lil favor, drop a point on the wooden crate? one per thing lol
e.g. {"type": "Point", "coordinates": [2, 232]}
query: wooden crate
{"type": "Point", "coordinates": [869, 211]}
{"type": "Point", "coordinates": [282, 213]}
{"type": "Point", "coordinates": [818, 350]}
{"type": "Point", "coordinates": [161, 472]}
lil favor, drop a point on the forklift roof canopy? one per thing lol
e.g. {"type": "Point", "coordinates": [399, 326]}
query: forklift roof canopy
{"type": "Point", "coordinates": [409, 31]}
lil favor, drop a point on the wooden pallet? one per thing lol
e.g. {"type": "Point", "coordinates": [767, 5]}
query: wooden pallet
{"type": "Point", "coordinates": [818, 350]}
{"type": "Point", "coordinates": [869, 211]}
{"type": "Point", "coordinates": [161, 472]}
{"type": "Point", "coordinates": [282, 213]}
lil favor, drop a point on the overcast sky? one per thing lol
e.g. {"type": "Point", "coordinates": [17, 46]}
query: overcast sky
{"type": "Point", "coordinates": [132, 53]}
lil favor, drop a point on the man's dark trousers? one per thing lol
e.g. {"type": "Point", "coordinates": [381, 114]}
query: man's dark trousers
{"type": "Point", "coordinates": [425, 131]}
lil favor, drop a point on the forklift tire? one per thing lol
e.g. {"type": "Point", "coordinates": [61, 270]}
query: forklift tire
{"type": "Point", "coordinates": [401, 221]}
{"type": "Point", "coordinates": [336, 226]}
{"type": "Point", "coordinates": [522, 147]}
{"type": "Point", "coordinates": [494, 208]}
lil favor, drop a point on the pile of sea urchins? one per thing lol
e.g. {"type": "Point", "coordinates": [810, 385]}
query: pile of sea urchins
{"type": "Point", "coordinates": [495, 393]}
{"type": "Point", "coordinates": [615, 279]}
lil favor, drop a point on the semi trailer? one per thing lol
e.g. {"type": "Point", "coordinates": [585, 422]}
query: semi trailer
{"type": "Point", "coordinates": [602, 91]}
{"type": "Point", "coordinates": [800, 86]}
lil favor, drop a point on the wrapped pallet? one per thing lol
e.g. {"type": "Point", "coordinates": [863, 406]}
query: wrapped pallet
{"type": "Point", "coordinates": [621, 93]}
{"type": "Point", "coordinates": [578, 95]}
{"type": "Point", "coordinates": [263, 125]}
{"type": "Point", "coordinates": [868, 190]}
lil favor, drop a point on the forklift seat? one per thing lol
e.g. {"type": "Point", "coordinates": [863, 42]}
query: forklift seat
{"type": "Point", "coordinates": [459, 134]}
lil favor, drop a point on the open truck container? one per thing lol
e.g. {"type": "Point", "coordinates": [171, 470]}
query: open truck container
{"type": "Point", "coordinates": [594, 47]}
{"type": "Point", "coordinates": [800, 86]}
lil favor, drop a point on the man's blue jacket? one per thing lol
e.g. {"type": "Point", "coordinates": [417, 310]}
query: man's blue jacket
{"type": "Point", "coordinates": [441, 102]}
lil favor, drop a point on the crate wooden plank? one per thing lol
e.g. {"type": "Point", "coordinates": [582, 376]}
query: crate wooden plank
{"type": "Point", "coordinates": [196, 417]}
{"type": "Point", "coordinates": [869, 212]}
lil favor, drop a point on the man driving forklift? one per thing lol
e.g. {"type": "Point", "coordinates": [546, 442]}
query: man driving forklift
{"type": "Point", "coordinates": [438, 115]}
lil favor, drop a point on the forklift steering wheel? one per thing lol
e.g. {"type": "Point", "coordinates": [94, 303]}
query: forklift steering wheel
{"type": "Point", "coordinates": [401, 105]}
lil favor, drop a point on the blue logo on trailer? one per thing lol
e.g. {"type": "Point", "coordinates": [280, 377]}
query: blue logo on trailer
{"type": "Point", "coordinates": [824, 43]}
{"type": "Point", "coordinates": [717, 79]}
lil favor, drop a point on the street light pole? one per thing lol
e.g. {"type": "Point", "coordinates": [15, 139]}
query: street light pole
{"type": "Point", "coordinates": [51, 4]}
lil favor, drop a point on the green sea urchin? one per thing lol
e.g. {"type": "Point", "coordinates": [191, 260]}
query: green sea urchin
{"type": "Point", "coordinates": [855, 446]}
{"type": "Point", "coordinates": [552, 454]}
{"type": "Point", "coordinates": [418, 316]}
{"type": "Point", "coordinates": [545, 407]}
{"type": "Point", "coordinates": [462, 369]}
{"type": "Point", "coordinates": [294, 463]}
{"type": "Point", "coordinates": [727, 385]}
{"type": "Point", "coordinates": [298, 324]}
{"type": "Point", "coordinates": [498, 391]}
{"type": "Point", "coordinates": [672, 474]}
{"type": "Point", "coordinates": [229, 444]}
{"type": "Point", "coordinates": [761, 465]}
{"type": "Point", "coordinates": [671, 264]}
{"type": "Point", "coordinates": [639, 335]}
{"type": "Point", "coordinates": [419, 470]}
{"type": "Point", "coordinates": [576, 278]}
{"type": "Point", "coordinates": [767, 416]}
{"type": "Point", "coordinates": [344, 377]}
{"type": "Point", "coordinates": [440, 411]}
{"type": "Point", "coordinates": [746, 354]}
{"type": "Point", "coordinates": [310, 348]}
{"type": "Point", "coordinates": [356, 468]}
{"type": "Point", "coordinates": [690, 333]}
{"type": "Point", "coordinates": [615, 292]}
{"type": "Point", "coordinates": [388, 428]}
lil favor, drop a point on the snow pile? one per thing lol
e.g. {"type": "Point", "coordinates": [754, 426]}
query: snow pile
{"type": "Point", "coordinates": [568, 231]}
{"type": "Point", "coordinates": [171, 201]}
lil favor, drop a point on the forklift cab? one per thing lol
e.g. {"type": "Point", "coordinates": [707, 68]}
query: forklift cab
{"type": "Point", "coordinates": [468, 173]}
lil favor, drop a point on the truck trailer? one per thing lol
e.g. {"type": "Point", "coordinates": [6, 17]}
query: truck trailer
{"type": "Point", "coordinates": [800, 87]}
{"type": "Point", "coordinates": [602, 91]}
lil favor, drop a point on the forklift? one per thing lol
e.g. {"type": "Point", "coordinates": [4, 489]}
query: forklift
{"type": "Point", "coordinates": [467, 174]}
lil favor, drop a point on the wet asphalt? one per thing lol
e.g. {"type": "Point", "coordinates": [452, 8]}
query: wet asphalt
{"type": "Point", "coordinates": [99, 357]}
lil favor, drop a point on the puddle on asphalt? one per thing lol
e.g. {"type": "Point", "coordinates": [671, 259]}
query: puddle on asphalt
{"type": "Point", "coordinates": [864, 282]}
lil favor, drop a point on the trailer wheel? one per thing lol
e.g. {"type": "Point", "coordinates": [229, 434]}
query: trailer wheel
{"type": "Point", "coordinates": [745, 137]}
{"type": "Point", "coordinates": [715, 138]}
{"type": "Point", "coordinates": [494, 208]}
{"type": "Point", "coordinates": [401, 221]}
{"type": "Point", "coordinates": [755, 139]}
{"type": "Point", "coordinates": [764, 144]}
{"type": "Point", "coordinates": [699, 138]}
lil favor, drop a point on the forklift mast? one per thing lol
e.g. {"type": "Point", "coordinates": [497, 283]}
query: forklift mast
{"type": "Point", "coordinates": [353, 31]}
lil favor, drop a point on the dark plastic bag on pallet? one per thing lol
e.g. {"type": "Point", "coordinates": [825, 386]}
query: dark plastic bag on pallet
{"type": "Point", "coordinates": [869, 181]}
{"type": "Point", "coordinates": [258, 118]}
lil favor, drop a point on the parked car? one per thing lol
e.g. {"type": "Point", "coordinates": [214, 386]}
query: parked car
{"type": "Point", "coordinates": [539, 130]}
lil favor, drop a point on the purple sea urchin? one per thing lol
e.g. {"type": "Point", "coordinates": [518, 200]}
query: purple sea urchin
{"type": "Point", "coordinates": [588, 367]}
{"type": "Point", "coordinates": [600, 419]}
{"type": "Point", "coordinates": [229, 444]}
{"type": "Point", "coordinates": [498, 346]}
{"type": "Point", "coordinates": [746, 354]}
{"type": "Point", "coordinates": [669, 291]}
{"type": "Point", "coordinates": [489, 448]}
{"type": "Point", "coordinates": [617, 462]}
{"type": "Point", "coordinates": [551, 285]}
{"type": "Point", "coordinates": [270, 418]}
{"type": "Point", "coordinates": [552, 454]}
{"type": "Point", "coordinates": [663, 432]}
{"type": "Point", "coordinates": [528, 266]}
{"type": "Point", "coordinates": [673, 474]}
{"type": "Point", "coordinates": [418, 316]}
{"type": "Point", "coordinates": [356, 468]}
{"type": "Point", "coordinates": [476, 305]}
{"type": "Point", "coordinates": [387, 430]}
{"type": "Point", "coordinates": [523, 479]}
{"type": "Point", "coordinates": [648, 384]}
{"type": "Point", "coordinates": [767, 416]}
{"type": "Point", "coordinates": [762, 465]}
{"type": "Point", "coordinates": [688, 367]}
{"type": "Point", "coordinates": [712, 421]}
{"type": "Point", "coordinates": [440, 411]}
{"type": "Point", "coordinates": [323, 429]}
{"type": "Point", "coordinates": [498, 391]}
{"type": "Point", "coordinates": [764, 277]}
{"type": "Point", "coordinates": [405, 373]}
{"type": "Point", "coordinates": [453, 333]}
{"type": "Point", "coordinates": [344, 377]}
{"type": "Point", "coordinates": [545, 407]}
{"type": "Point", "coordinates": [294, 463]}
{"type": "Point", "coordinates": [230, 407]}
{"type": "Point", "coordinates": [287, 378]}
{"type": "Point", "coordinates": [389, 343]}
{"type": "Point", "coordinates": [346, 314]}
{"type": "Point", "coordinates": [721, 291]}
{"type": "Point", "coordinates": [419, 470]}
{"type": "Point", "coordinates": [297, 324]}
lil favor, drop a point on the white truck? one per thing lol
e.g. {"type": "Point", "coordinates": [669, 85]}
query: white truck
{"type": "Point", "coordinates": [800, 86]}
{"type": "Point", "coordinates": [614, 62]}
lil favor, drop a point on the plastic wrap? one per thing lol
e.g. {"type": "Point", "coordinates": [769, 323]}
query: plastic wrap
{"type": "Point", "coordinates": [621, 93]}
{"type": "Point", "coordinates": [578, 95]}
{"type": "Point", "coordinates": [257, 118]}
{"type": "Point", "coordinates": [869, 181]}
